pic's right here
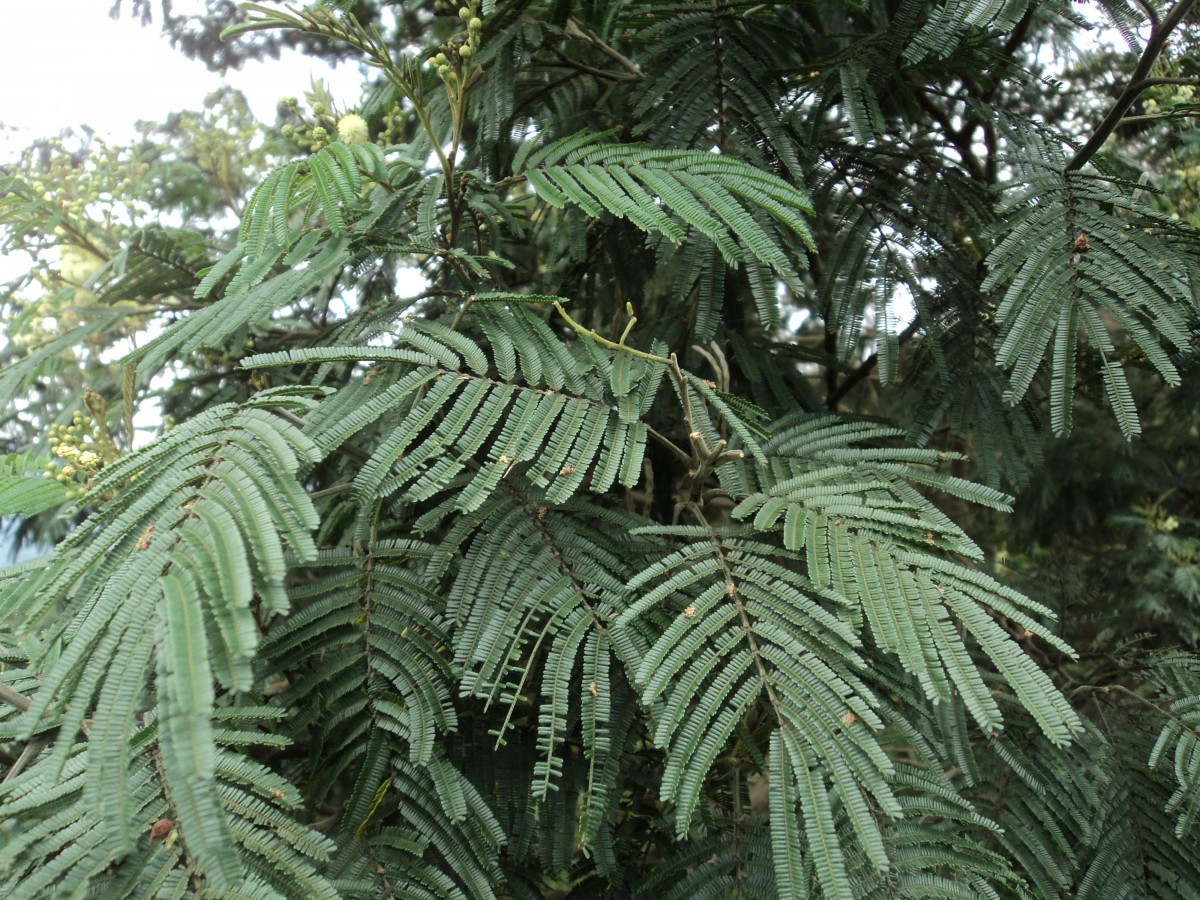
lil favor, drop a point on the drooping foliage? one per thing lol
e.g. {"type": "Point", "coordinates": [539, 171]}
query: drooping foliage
{"type": "Point", "coordinates": [648, 547]}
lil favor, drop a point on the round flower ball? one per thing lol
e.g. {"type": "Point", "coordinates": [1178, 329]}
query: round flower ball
{"type": "Point", "coordinates": [352, 129]}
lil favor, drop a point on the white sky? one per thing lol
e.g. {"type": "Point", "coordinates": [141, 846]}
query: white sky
{"type": "Point", "coordinates": [87, 69]}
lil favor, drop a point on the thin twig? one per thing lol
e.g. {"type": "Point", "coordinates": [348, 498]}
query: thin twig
{"type": "Point", "coordinates": [1121, 689]}
{"type": "Point", "coordinates": [576, 30]}
{"type": "Point", "coordinates": [35, 746]}
{"type": "Point", "coordinates": [1161, 117]}
{"type": "Point", "coordinates": [1151, 13]}
{"type": "Point", "coordinates": [868, 366]}
{"type": "Point", "coordinates": [605, 342]}
{"type": "Point", "coordinates": [565, 62]}
{"type": "Point", "coordinates": [32, 749]}
{"type": "Point", "coordinates": [14, 698]}
{"type": "Point", "coordinates": [331, 491]}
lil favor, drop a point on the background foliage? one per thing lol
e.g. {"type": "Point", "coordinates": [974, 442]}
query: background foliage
{"type": "Point", "coordinates": [664, 543]}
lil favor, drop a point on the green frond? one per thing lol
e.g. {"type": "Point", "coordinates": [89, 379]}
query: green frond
{"type": "Point", "coordinates": [67, 846]}
{"type": "Point", "coordinates": [952, 21]}
{"type": "Point", "coordinates": [427, 854]}
{"type": "Point", "coordinates": [451, 416]}
{"type": "Point", "coordinates": [717, 861]}
{"type": "Point", "coordinates": [1075, 247]}
{"type": "Point", "coordinates": [23, 490]}
{"type": "Point", "coordinates": [748, 214]}
{"type": "Point", "coordinates": [871, 538]}
{"type": "Point", "coordinates": [534, 596]}
{"type": "Point", "coordinates": [716, 62]}
{"type": "Point", "coordinates": [368, 632]}
{"type": "Point", "coordinates": [246, 303]}
{"type": "Point", "coordinates": [165, 574]}
{"type": "Point", "coordinates": [155, 263]}
{"type": "Point", "coordinates": [591, 485]}
{"type": "Point", "coordinates": [735, 622]}
{"type": "Point", "coordinates": [858, 100]}
{"type": "Point", "coordinates": [327, 186]}
{"type": "Point", "coordinates": [1006, 438]}
{"type": "Point", "coordinates": [1177, 676]}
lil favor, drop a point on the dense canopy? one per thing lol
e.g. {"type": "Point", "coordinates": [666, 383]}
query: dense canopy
{"type": "Point", "coordinates": [643, 449]}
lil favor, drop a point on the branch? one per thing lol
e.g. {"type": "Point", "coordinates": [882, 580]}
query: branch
{"type": "Point", "coordinates": [1161, 117]}
{"type": "Point", "coordinates": [1154, 82]}
{"type": "Point", "coordinates": [868, 366]}
{"type": "Point", "coordinates": [14, 698]}
{"type": "Point", "coordinates": [331, 491]}
{"type": "Point", "coordinates": [1017, 37]}
{"type": "Point", "coordinates": [35, 746]}
{"type": "Point", "coordinates": [960, 138]}
{"type": "Point", "coordinates": [568, 63]}
{"type": "Point", "coordinates": [576, 30]}
{"type": "Point", "coordinates": [28, 755]}
{"type": "Point", "coordinates": [1138, 82]}
{"type": "Point", "coordinates": [1151, 13]}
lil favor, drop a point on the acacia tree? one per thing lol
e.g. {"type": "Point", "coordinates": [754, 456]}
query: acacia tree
{"type": "Point", "coordinates": [629, 557]}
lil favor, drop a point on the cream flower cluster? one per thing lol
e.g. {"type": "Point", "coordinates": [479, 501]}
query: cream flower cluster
{"type": "Point", "coordinates": [68, 442]}
{"type": "Point", "coordinates": [352, 129]}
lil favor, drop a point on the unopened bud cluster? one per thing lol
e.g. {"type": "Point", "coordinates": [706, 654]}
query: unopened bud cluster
{"type": "Point", "coordinates": [453, 58]}
{"type": "Point", "coordinates": [76, 444]}
{"type": "Point", "coordinates": [350, 128]}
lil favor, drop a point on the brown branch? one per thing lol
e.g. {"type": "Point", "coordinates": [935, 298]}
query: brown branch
{"type": "Point", "coordinates": [1155, 82]}
{"type": "Point", "coordinates": [14, 698]}
{"type": "Point", "coordinates": [1161, 117]}
{"type": "Point", "coordinates": [961, 139]}
{"type": "Point", "coordinates": [576, 30]}
{"type": "Point", "coordinates": [31, 749]}
{"type": "Point", "coordinates": [1018, 34]}
{"type": "Point", "coordinates": [1138, 82]}
{"type": "Point", "coordinates": [1151, 13]}
{"type": "Point", "coordinates": [868, 366]}
{"type": "Point", "coordinates": [28, 755]}
{"type": "Point", "coordinates": [37, 744]}
{"type": "Point", "coordinates": [565, 62]}
{"type": "Point", "coordinates": [331, 491]}
{"type": "Point", "coordinates": [831, 368]}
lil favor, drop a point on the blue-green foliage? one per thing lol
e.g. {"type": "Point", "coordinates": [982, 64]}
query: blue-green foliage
{"type": "Point", "coordinates": [571, 575]}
